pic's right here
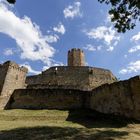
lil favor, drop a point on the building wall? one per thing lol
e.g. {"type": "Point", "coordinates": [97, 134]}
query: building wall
{"type": "Point", "coordinates": [3, 72]}
{"type": "Point", "coordinates": [120, 98]}
{"type": "Point", "coordinates": [82, 78]}
{"type": "Point", "coordinates": [98, 77]}
{"type": "Point", "coordinates": [13, 77]}
{"type": "Point", "coordinates": [76, 57]}
{"type": "Point", "coordinates": [48, 98]}
{"type": "Point", "coordinates": [66, 77]}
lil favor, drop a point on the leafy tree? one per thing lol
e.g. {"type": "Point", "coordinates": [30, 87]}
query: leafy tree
{"type": "Point", "coordinates": [124, 13]}
{"type": "Point", "coordinates": [11, 1]}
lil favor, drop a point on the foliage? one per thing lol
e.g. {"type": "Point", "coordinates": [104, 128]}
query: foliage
{"type": "Point", "coordinates": [11, 1]}
{"type": "Point", "coordinates": [124, 13]}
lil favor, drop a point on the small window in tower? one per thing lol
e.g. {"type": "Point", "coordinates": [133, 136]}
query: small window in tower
{"type": "Point", "coordinates": [16, 77]}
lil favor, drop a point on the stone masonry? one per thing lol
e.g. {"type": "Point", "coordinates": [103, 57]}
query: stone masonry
{"type": "Point", "coordinates": [12, 77]}
{"type": "Point", "coordinates": [119, 98]}
{"type": "Point", "coordinates": [69, 87]}
{"type": "Point", "coordinates": [76, 57]}
{"type": "Point", "coordinates": [82, 78]}
{"type": "Point", "coordinates": [74, 76]}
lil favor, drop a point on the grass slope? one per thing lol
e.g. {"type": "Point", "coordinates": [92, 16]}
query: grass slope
{"type": "Point", "coordinates": [59, 125]}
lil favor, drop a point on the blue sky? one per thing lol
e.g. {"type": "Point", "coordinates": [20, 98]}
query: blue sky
{"type": "Point", "coordinates": [38, 34]}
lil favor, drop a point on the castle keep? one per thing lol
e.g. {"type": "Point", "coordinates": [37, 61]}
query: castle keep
{"type": "Point", "coordinates": [76, 57]}
{"type": "Point", "coordinates": [74, 76]}
{"type": "Point", "coordinates": [69, 87]}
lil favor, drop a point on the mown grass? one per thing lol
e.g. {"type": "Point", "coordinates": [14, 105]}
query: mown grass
{"type": "Point", "coordinates": [59, 125]}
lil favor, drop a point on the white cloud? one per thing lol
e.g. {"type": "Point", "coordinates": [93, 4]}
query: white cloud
{"type": "Point", "coordinates": [108, 18]}
{"type": "Point", "coordinates": [134, 49]}
{"type": "Point", "coordinates": [29, 38]}
{"type": "Point", "coordinates": [110, 48]}
{"type": "Point", "coordinates": [52, 38]}
{"type": "Point", "coordinates": [60, 28]}
{"type": "Point", "coordinates": [55, 63]}
{"type": "Point", "coordinates": [30, 70]}
{"type": "Point", "coordinates": [133, 67]}
{"type": "Point", "coordinates": [8, 52]}
{"type": "Point", "coordinates": [116, 42]}
{"type": "Point", "coordinates": [73, 10]}
{"type": "Point", "coordinates": [106, 34]}
{"type": "Point", "coordinates": [136, 37]}
{"type": "Point", "coordinates": [90, 47]}
{"type": "Point", "coordinates": [45, 68]}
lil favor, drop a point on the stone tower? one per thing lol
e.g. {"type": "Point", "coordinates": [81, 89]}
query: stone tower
{"type": "Point", "coordinates": [76, 57]}
{"type": "Point", "coordinates": [12, 77]}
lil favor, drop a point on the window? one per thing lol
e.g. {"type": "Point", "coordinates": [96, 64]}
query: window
{"type": "Point", "coordinates": [16, 77]}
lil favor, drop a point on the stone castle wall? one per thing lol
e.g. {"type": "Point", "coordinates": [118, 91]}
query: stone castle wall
{"type": "Point", "coordinates": [69, 87]}
{"type": "Point", "coordinates": [82, 78]}
{"type": "Point", "coordinates": [98, 77]}
{"type": "Point", "coordinates": [3, 72]}
{"type": "Point", "coordinates": [62, 76]}
{"type": "Point", "coordinates": [119, 98]}
{"type": "Point", "coordinates": [48, 98]}
{"type": "Point", "coordinates": [12, 77]}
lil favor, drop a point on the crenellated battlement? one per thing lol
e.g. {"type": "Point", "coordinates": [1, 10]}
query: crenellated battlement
{"type": "Point", "coordinates": [12, 77]}
{"type": "Point", "coordinates": [76, 57]}
{"type": "Point", "coordinates": [15, 66]}
{"type": "Point", "coordinates": [75, 50]}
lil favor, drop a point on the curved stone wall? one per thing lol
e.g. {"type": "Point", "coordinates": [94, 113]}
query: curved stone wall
{"type": "Point", "coordinates": [82, 78]}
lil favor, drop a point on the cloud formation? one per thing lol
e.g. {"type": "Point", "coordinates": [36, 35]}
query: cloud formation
{"type": "Point", "coordinates": [73, 10]}
{"type": "Point", "coordinates": [60, 28]}
{"type": "Point", "coordinates": [30, 70]}
{"type": "Point", "coordinates": [55, 63]}
{"type": "Point", "coordinates": [8, 52]}
{"type": "Point", "coordinates": [106, 34]}
{"type": "Point", "coordinates": [133, 67]}
{"type": "Point", "coordinates": [52, 38]}
{"type": "Point", "coordinates": [134, 49]}
{"type": "Point", "coordinates": [92, 48]}
{"type": "Point", "coordinates": [28, 36]}
{"type": "Point", "coordinates": [136, 37]}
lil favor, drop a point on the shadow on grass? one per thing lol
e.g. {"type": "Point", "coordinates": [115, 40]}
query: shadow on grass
{"type": "Point", "coordinates": [93, 119]}
{"type": "Point", "coordinates": [59, 133]}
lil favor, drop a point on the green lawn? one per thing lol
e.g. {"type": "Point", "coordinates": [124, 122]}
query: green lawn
{"type": "Point", "coordinates": [59, 125]}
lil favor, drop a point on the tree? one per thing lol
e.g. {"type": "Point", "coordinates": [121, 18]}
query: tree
{"type": "Point", "coordinates": [124, 13]}
{"type": "Point", "coordinates": [11, 1]}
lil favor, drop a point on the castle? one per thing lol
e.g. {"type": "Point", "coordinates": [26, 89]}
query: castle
{"type": "Point", "coordinates": [74, 76]}
{"type": "Point", "coordinates": [69, 87]}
